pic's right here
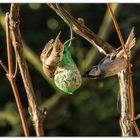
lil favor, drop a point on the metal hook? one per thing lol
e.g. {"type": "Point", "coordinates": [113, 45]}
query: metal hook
{"type": "Point", "coordinates": [71, 32]}
{"type": "Point", "coordinates": [70, 40]}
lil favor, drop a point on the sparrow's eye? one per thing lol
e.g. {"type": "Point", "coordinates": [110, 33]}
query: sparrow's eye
{"type": "Point", "coordinates": [95, 68]}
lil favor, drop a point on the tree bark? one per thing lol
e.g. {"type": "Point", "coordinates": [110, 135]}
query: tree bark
{"type": "Point", "coordinates": [125, 120]}
{"type": "Point", "coordinates": [36, 114]}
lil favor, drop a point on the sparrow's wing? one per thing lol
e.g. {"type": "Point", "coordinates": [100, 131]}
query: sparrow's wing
{"type": "Point", "coordinates": [47, 50]}
{"type": "Point", "coordinates": [53, 52]}
{"type": "Point", "coordinates": [51, 56]}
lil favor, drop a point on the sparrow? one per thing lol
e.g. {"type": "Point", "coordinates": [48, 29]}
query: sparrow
{"type": "Point", "coordinates": [113, 63]}
{"type": "Point", "coordinates": [51, 55]}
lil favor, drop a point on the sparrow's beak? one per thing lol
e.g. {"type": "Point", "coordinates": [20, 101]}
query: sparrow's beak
{"type": "Point", "coordinates": [86, 74]}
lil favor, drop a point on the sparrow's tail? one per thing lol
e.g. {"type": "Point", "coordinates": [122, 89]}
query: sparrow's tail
{"type": "Point", "coordinates": [130, 43]}
{"type": "Point", "coordinates": [131, 40]}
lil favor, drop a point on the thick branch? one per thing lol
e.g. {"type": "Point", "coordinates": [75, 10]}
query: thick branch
{"type": "Point", "coordinates": [12, 79]}
{"type": "Point", "coordinates": [79, 27]}
{"type": "Point", "coordinates": [37, 116]}
{"type": "Point", "coordinates": [125, 120]}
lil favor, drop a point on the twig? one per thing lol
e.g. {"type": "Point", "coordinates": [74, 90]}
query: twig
{"type": "Point", "coordinates": [3, 66]}
{"type": "Point", "coordinates": [31, 56]}
{"type": "Point", "coordinates": [12, 79]}
{"type": "Point", "coordinates": [104, 33]}
{"type": "Point", "coordinates": [128, 85]}
{"type": "Point", "coordinates": [126, 113]}
{"type": "Point", "coordinates": [106, 29]}
{"type": "Point", "coordinates": [37, 115]}
{"type": "Point", "coordinates": [79, 27]}
{"type": "Point", "coordinates": [117, 29]}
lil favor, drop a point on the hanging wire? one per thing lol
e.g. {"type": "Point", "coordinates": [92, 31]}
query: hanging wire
{"type": "Point", "coordinates": [71, 31]}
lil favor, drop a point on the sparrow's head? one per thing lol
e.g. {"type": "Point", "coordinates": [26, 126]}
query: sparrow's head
{"type": "Point", "coordinates": [93, 73]}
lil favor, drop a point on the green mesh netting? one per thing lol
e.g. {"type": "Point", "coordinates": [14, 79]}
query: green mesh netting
{"type": "Point", "coordinates": [67, 76]}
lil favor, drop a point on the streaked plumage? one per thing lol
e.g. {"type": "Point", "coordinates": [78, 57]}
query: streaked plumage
{"type": "Point", "coordinates": [113, 63]}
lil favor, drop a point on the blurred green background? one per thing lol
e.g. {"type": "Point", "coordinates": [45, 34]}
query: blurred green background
{"type": "Point", "coordinates": [92, 110]}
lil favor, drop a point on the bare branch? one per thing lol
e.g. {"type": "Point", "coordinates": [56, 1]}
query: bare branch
{"type": "Point", "coordinates": [3, 66]}
{"type": "Point", "coordinates": [125, 120]}
{"type": "Point", "coordinates": [79, 27]}
{"type": "Point", "coordinates": [126, 80]}
{"type": "Point", "coordinates": [12, 79]}
{"type": "Point", "coordinates": [37, 115]}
